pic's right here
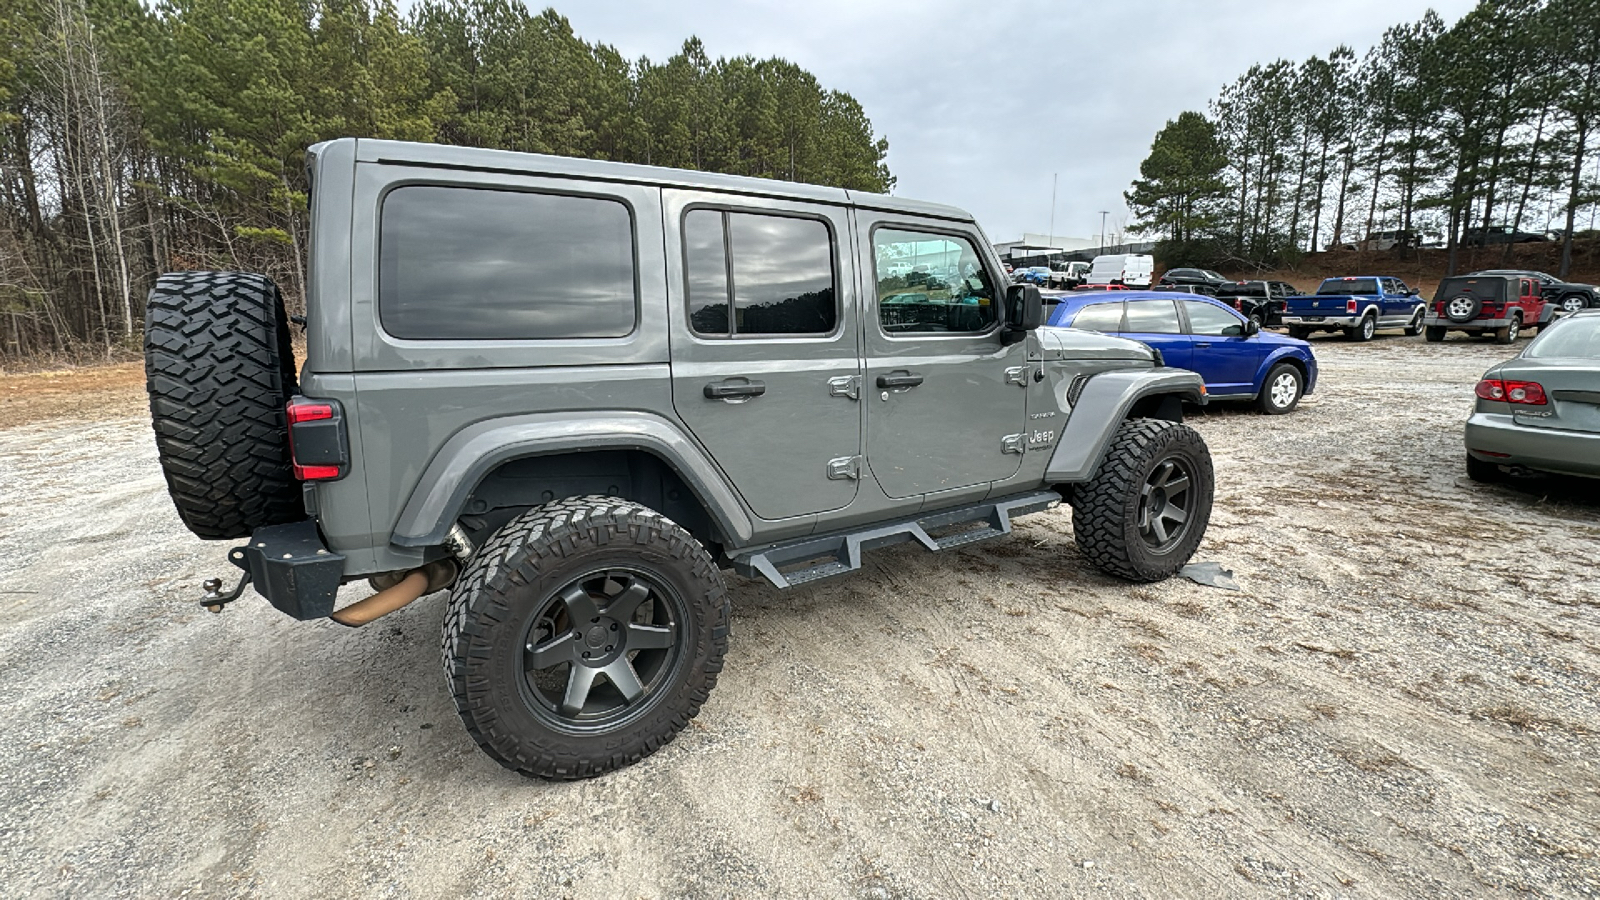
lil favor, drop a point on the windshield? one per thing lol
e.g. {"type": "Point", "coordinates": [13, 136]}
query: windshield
{"type": "Point", "coordinates": [1577, 338]}
{"type": "Point", "coordinates": [1482, 288]}
{"type": "Point", "coordinates": [1348, 286]}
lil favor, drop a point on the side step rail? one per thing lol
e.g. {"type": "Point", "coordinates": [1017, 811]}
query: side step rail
{"type": "Point", "coordinates": [812, 558]}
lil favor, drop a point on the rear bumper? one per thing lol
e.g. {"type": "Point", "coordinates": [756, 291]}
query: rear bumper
{"type": "Point", "coordinates": [289, 566]}
{"type": "Point", "coordinates": [1433, 320]}
{"type": "Point", "coordinates": [1340, 321]}
{"type": "Point", "coordinates": [1545, 449]}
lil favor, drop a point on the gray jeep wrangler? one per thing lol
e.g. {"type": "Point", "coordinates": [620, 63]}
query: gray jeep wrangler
{"type": "Point", "coordinates": [573, 392]}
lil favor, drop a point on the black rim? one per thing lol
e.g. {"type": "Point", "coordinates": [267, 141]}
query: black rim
{"type": "Point", "coordinates": [1165, 501]}
{"type": "Point", "coordinates": [598, 652]}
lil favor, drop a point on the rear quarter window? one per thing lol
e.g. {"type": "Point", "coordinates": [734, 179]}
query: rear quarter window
{"type": "Point", "coordinates": [1348, 286]}
{"type": "Point", "coordinates": [461, 263]}
{"type": "Point", "coordinates": [1481, 288]}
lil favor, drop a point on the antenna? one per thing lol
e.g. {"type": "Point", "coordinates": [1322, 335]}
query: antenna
{"type": "Point", "coordinates": [1053, 178]}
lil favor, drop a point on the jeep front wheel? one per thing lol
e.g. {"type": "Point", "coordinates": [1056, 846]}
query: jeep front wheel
{"type": "Point", "coordinates": [1145, 511]}
{"type": "Point", "coordinates": [583, 636]}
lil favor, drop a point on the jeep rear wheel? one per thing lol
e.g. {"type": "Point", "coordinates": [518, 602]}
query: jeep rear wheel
{"type": "Point", "coordinates": [1433, 334]}
{"type": "Point", "coordinates": [1508, 332]}
{"type": "Point", "coordinates": [583, 637]}
{"type": "Point", "coordinates": [1145, 511]}
{"type": "Point", "coordinates": [219, 368]}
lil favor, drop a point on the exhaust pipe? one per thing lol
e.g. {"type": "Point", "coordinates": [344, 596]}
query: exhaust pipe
{"type": "Point", "coordinates": [434, 576]}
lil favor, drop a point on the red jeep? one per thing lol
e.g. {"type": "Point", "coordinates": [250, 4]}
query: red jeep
{"type": "Point", "coordinates": [1481, 304]}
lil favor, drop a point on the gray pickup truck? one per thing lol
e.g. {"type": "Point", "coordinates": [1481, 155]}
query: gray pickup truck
{"type": "Point", "coordinates": [574, 392]}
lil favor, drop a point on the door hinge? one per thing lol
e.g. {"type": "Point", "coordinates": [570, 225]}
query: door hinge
{"type": "Point", "coordinates": [845, 386]}
{"type": "Point", "coordinates": [1013, 443]}
{"type": "Point", "coordinates": [1017, 375]}
{"type": "Point", "coordinates": [845, 468]}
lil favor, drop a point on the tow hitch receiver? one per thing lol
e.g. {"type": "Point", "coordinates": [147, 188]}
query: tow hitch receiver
{"type": "Point", "coordinates": [288, 565]}
{"type": "Point", "coordinates": [215, 599]}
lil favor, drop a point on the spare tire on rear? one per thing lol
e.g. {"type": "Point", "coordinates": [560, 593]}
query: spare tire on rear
{"type": "Point", "coordinates": [219, 368]}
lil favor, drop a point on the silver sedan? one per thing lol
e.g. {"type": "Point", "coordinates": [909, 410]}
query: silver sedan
{"type": "Point", "coordinates": [1540, 411]}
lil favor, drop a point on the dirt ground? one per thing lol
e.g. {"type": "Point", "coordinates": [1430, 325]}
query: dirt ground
{"type": "Point", "coordinates": [1403, 700]}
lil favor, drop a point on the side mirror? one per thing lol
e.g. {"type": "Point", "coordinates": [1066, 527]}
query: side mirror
{"type": "Point", "coordinates": [1251, 328]}
{"type": "Point", "coordinates": [1024, 312]}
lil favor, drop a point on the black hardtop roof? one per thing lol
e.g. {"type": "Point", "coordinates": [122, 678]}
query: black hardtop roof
{"type": "Point", "coordinates": [476, 158]}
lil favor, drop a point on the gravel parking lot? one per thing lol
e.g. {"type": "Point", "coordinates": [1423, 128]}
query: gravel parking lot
{"type": "Point", "coordinates": [1403, 700]}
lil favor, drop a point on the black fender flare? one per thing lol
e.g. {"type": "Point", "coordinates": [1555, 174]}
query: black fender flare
{"type": "Point", "coordinates": [473, 452]}
{"type": "Point", "coordinates": [1102, 407]}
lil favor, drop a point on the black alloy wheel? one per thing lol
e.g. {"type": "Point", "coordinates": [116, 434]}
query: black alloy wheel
{"type": "Point", "coordinates": [1144, 511]}
{"type": "Point", "coordinates": [583, 636]}
{"type": "Point", "coordinates": [1166, 504]}
{"type": "Point", "coordinates": [598, 651]}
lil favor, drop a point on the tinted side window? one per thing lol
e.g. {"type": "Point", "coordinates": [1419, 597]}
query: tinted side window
{"type": "Point", "coordinates": [1207, 319]}
{"type": "Point", "coordinates": [782, 275]}
{"type": "Point", "coordinates": [931, 284]}
{"type": "Point", "coordinates": [706, 262]}
{"type": "Point", "coordinates": [1105, 317]}
{"type": "Point", "coordinates": [1152, 317]}
{"type": "Point", "coordinates": [472, 264]}
{"type": "Point", "coordinates": [750, 273]}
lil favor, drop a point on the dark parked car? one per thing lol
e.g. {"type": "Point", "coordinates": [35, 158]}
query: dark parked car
{"type": "Point", "coordinates": [1541, 409]}
{"type": "Point", "coordinates": [1569, 296]}
{"type": "Point", "coordinates": [1237, 360]}
{"type": "Point", "coordinates": [1499, 234]}
{"type": "Point", "coordinates": [1205, 279]}
{"type": "Point", "coordinates": [1261, 302]}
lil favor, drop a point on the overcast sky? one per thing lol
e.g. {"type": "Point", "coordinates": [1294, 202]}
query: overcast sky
{"type": "Point", "coordinates": [983, 101]}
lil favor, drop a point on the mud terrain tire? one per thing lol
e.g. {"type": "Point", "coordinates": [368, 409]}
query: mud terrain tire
{"type": "Point", "coordinates": [539, 590]}
{"type": "Point", "coordinates": [1117, 516]}
{"type": "Point", "coordinates": [218, 368]}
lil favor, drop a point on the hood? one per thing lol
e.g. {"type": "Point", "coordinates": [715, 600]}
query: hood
{"type": "Point", "coordinates": [1070, 343]}
{"type": "Point", "coordinates": [1274, 339]}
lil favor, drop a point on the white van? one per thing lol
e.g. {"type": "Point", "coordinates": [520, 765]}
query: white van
{"type": "Point", "coordinates": [1131, 269]}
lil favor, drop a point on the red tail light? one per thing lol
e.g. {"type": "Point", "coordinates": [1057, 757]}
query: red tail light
{"type": "Point", "coordinates": [321, 428]}
{"type": "Point", "coordinates": [302, 410]}
{"type": "Point", "coordinates": [1350, 306]}
{"type": "Point", "coordinates": [1530, 393]}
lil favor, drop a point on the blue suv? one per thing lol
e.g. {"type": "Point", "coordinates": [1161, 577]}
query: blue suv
{"type": "Point", "coordinates": [1237, 360]}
